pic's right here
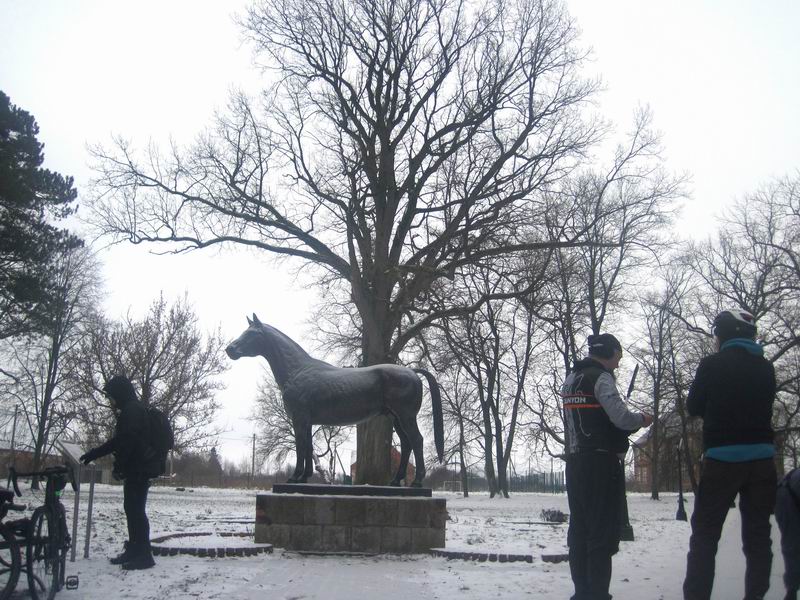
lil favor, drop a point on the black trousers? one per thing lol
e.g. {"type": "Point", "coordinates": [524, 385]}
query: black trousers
{"type": "Point", "coordinates": [787, 514]}
{"type": "Point", "coordinates": [594, 487]}
{"type": "Point", "coordinates": [755, 482]}
{"type": "Point", "coordinates": [134, 491]}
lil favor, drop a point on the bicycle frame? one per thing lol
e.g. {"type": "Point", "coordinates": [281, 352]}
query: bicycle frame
{"type": "Point", "coordinates": [47, 549]}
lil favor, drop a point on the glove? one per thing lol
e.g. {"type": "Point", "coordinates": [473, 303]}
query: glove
{"type": "Point", "coordinates": [89, 456]}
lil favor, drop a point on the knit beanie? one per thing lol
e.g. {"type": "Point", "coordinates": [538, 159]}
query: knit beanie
{"type": "Point", "coordinates": [603, 345]}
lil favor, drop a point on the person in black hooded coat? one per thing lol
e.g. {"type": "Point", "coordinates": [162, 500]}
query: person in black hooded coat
{"type": "Point", "coordinates": [733, 392]}
{"type": "Point", "coordinates": [135, 462]}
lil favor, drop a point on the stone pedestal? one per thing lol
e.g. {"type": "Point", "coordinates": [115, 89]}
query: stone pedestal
{"type": "Point", "coordinates": [346, 520]}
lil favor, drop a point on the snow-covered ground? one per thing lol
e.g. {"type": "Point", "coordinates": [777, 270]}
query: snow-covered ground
{"type": "Point", "coordinates": [650, 568]}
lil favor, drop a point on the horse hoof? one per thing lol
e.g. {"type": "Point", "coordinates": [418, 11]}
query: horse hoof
{"type": "Point", "coordinates": [417, 484]}
{"type": "Point", "coordinates": [394, 483]}
{"type": "Point", "coordinates": [292, 480]}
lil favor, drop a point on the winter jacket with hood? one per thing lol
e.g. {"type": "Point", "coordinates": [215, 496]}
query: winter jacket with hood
{"type": "Point", "coordinates": [733, 391]}
{"type": "Point", "coordinates": [133, 454]}
{"type": "Point", "coordinates": [595, 417]}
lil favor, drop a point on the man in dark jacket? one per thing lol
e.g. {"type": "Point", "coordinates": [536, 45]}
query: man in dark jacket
{"type": "Point", "coordinates": [596, 428]}
{"type": "Point", "coordinates": [733, 391]}
{"type": "Point", "coordinates": [135, 462]}
{"type": "Point", "coordinates": [787, 514]}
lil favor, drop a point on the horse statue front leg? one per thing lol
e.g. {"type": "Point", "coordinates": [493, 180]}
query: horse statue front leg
{"type": "Point", "coordinates": [300, 453]}
{"type": "Point", "coordinates": [309, 456]}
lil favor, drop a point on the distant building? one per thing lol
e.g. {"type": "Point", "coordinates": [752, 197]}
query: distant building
{"type": "Point", "coordinates": [410, 470]}
{"type": "Point", "coordinates": [669, 437]}
{"type": "Point", "coordinates": [22, 459]}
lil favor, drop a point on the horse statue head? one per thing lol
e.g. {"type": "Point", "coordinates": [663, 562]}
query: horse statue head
{"type": "Point", "coordinates": [250, 343]}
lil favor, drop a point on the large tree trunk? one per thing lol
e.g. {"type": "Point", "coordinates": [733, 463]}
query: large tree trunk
{"type": "Point", "coordinates": [491, 480]}
{"type": "Point", "coordinates": [502, 478]}
{"type": "Point", "coordinates": [373, 451]}
{"type": "Point", "coordinates": [374, 438]}
{"type": "Point", "coordinates": [655, 460]}
{"type": "Point", "coordinates": [43, 427]}
{"type": "Point", "coordinates": [461, 446]}
{"type": "Point", "coordinates": [502, 462]}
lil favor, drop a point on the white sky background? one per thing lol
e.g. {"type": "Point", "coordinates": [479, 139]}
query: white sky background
{"type": "Point", "coordinates": [722, 78]}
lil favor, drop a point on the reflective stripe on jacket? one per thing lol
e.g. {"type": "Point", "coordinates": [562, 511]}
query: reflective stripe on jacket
{"type": "Point", "coordinates": [595, 417]}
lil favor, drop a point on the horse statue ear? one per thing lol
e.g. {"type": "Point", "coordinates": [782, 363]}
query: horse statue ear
{"type": "Point", "coordinates": [249, 322]}
{"type": "Point", "coordinates": [255, 319]}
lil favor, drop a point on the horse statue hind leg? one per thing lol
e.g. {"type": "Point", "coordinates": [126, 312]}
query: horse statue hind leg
{"type": "Point", "coordinates": [405, 424]}
{"type": "Point", "coordinates": [405, 452]}
{"type": "Point", "coordinates": [410, 439]}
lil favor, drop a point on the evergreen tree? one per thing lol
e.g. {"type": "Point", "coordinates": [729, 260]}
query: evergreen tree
{"type": "Point", "coordinates": [31, 199]}
{"type": "Point", "coordinates": [213, 461]}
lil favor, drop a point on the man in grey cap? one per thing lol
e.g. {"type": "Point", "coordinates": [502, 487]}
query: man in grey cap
{"type": "Point", "coordinates": [596, 428]}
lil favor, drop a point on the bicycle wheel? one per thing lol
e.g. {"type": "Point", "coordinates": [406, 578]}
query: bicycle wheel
{"type": "Point", "coordinates": [9, 562]}
{"type": "Point", "coordinates": [64, 545]}
{"type": "Point", "coordinates": [42, 554]}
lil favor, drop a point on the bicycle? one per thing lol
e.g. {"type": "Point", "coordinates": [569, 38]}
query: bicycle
{"type": "Point", "coordinates": [44, 536]}
{"type": "Point", "coordinates": [10, 566]}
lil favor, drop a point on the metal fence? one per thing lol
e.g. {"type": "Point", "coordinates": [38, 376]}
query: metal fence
{"type": "Point", "coordinates": [548, 483]}
{"type": "Point", "coordinates": [552, 483]}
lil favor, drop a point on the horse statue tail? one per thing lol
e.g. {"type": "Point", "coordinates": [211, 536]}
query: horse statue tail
{"type": "Point", "coordinates": [438, 420]}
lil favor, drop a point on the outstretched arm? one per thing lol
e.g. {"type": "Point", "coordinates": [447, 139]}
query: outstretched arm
{"type": "Point", "coordinates": [99, 452]}
{"type": "Point", "coordinates": [605, 390]}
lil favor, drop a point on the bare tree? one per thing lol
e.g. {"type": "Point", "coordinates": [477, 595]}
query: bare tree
{"type": "Point", "coordinates": [626, 212]}
{"type": "Point", "coordinates": [492, 350]}
{"type": "Point", "coordinates": [42, 380]}
{"type": "Point", "coordinates": [172, 363]}
{"type": "Point", "coordinates": [668, 353]}
{"type": "Point", "coordinates": [462, 418]}
{"type": "Point", "coordinates": [401, 142]}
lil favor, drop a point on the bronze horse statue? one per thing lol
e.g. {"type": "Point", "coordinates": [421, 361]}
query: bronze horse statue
{"type": "Point", "coordinates": [317, 393]}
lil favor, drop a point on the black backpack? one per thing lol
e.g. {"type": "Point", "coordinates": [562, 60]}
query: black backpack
{"type": "Point", "coordinates": [162, 438]}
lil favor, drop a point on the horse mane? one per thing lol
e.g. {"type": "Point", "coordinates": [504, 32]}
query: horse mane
{"type": "Point", "coordinates": [286, 353]}
{"type": "Point", "coordinates": [285, 338]}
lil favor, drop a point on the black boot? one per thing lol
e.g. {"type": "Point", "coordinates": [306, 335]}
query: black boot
{"type": "Point", "coordinates": [142, 558]}
{"type": "Point", "coordinates": [123, 556]}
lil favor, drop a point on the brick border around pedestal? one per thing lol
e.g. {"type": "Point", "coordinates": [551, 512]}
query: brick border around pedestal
{"type": "Point", "coordinates": [478, 556]}
{"type": "Point", "coordinates": [358, 524]}
{"type": "Point", "coordinates": [216, 551]}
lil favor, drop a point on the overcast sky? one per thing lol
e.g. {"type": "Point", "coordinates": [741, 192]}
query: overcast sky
{"type": "Point", "coordinates": [721, 78]}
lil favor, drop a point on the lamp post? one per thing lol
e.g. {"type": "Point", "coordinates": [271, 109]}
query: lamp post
{"type": "Point", "coordinates": [681, 514]}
